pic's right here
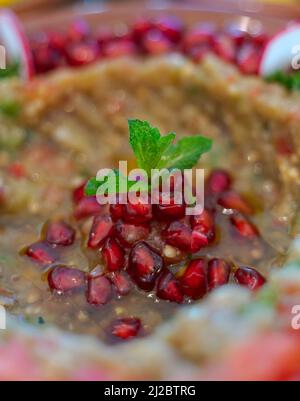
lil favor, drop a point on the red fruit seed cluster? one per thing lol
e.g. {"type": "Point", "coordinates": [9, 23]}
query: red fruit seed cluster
{"type": "Point", "coordinates": [142, 246]}
{"type": "Point", "coordinates": [79, 45]}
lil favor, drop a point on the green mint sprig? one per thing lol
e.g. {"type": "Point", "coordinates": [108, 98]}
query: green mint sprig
{"type": "Point", "coordinates": [156, 151]}
{"type": "Point", "coordinates": [289, 81]}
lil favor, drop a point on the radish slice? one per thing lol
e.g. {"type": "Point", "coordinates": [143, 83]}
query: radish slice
{"type": "Point", "coordinates": [13, 38]}
{"type": "Point", "coordinates": [280, 51]}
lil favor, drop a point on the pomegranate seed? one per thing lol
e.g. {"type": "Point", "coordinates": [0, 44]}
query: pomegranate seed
{"type": "Point", "coordinates": [205, 224]}
{"type": "Point", "coordinates": [249, 277]}
{"type": "Point", "coordinates": [119, 48]}
{"type": "Point", "coordinates": [87, 207]}
{"type": "Point", "coordinates": [171, 27]}
{"type": "Point", "coordinates": [260, 39]}
{"type": "Point", "coordinates": [284, 145]}
{"type": "Point", "coordinates": [42, 253]}
{"type": "Point", "coordinates": [218, 181]}
{"type": "Point", "coordinates": [237, 35]}
{"type": "Point", "coordinates": [194, 280]}
{"type": "Point", "coordinates": [46, 59]}
{"type": "Point", "coordinates": [63, 279]}
{"type": "Point", "coordinates": [57, 41]}
{"type": "Point", "coordinates": [125, 328]}
{"type": "Point", "coordinates": [201, 35]}
{"type": "Point", "coordinates": [116, 211]}
{"type": "Point", "coordinates": [198, 53]}
{"type": "Point", "coordinates": [168, 287]}
{"type": "Point", "coordinates": [78, 31]}
{"type": "Point", "coordinates": [137, 213]}
{"type": "Point", "coordinates": [244, 227]}
{"type": "Point", "coordinates": [224, 47]}
{"type": "Point", "coordinates": [60, 233]}
{"type": "Point", "coordinates": [156, 43]}
{"type": "Point", "coordinates": [103, 36]}
{"type": "Point", "coordinates": [99, 290]}
{"type": "Point", "coordinates": [78, 193]}
{"type": "Point", "coordinates": [218, 273]}
{"type": "Point", "coordinates": [113, 255]}
{"type": "Point", "coordinates": [122, 282]}
{"type": "Point", "coordinates": [144, 265]}
{"type": "Point", "coordinates": [199, 239]}
{"type": "Point", "coordinates": [80, 54]}
{"type": "Point", "coordinates": [169, 212]}
{"type": "Point", "coordinates": [232, 200]}
{"type": "Point", "coordinates": [248, 59]}
{"type": "Point", "coordinates": [140, 28]}
{"type": "Point", "coordinates": [129, 234]}
{"type": "Point", "coordinates": [17, 170]}
{"type": "Point", "coordinates": [102, 227]}
{"type": "Point", "coordinates": [179, 235]}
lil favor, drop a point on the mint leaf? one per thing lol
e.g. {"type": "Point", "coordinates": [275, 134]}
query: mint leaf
{"type": "Point", "coordinates": [147, 143]}
{"type": "Point", "coordinates": [11, 71]}
{"type": "Point", "coordinates": [186, 153]}
{"type": "Point", "coordinates": [290, 81]}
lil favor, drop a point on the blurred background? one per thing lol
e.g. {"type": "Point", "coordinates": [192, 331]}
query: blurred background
{"type": "Point", "coordinates": [34, 5]}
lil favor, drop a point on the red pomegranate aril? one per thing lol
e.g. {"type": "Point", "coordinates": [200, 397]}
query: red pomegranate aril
{"type": "Point", "coordinates": [129, 234]}
{"type": "Point", "coordinates": [179, 235]}
{"type": "Point", "coordinates": [60, 233]}
{"type": "Point", "coordinates": [101, 229]}
{"type": "Point", "coordinates": [78, 31]}
{"type": "Point", "coordinates": [224, 46]}
{"type": "Point", "coordinates": [249, 277]}
{"type": "Point", "coordinates": [57, 40]}
{"type": "Point", "coordinates": [46, 59]}
{"type": "Point", "coordinates": [140, 28]}
{"type": "Point", "coordinates": [218, 181]}
{"type": "Point", "coordinates": [232, 200]}
{"type": "Point", "coordinates": [218, 273]}
{"type": "Point", "coordinates": [80, 54]}
{"type": "Point", "coordinates": [119, 48]}
{"type": "Point", "coordinates": [87, 207]}
{"type": "Point", "coordinates": [78, 193]}
{"type": "Point", "coordinates": [42, 253]}
{"type": "Point", "coordinates": [99, 290]}
{"type": "Point", "coordinates": [284, 145]}
{"type": "Point", "coordinates": [244, 227]}
{"type": "Point", "coordinates": [205, 224]}
{"type": "Point", "coordinates": [63, 279]}
{"type": "Point", "coordinates": [237, 35]}
{"type": "Point", "coordinates": [125, 328]}
{"type": "Point", "coordinates": [248, 59]}
{"type": "Point", "coordinates": [155, 43]}
{"type": "Point", "coordinates": [138, 213]}
{"type": "Point", "coordinates": [17, 170]}
{"type": "Point", "coordinates": [171, 27]}
{"type": "Point", "coordinates": [199, 52]}
{"type": "Point", "coordinates": [199, 239]}
{"type": "Point", "coordinates": [145, 265]}
{"type": "Point", "coordinates": [169, 212]}
{"type": "Point", "coordinates": [201, 35]}
{"type": "Point", "coordinates": [168, 288]}
{"type": "Point", "coordinates": [194, 279]}
{"type": "Point", "coordinates": [116, 211]}
{"type": "Point", "coordinates": [113, 255]}
{"type": "Point", "coordinates": [121, 282]}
